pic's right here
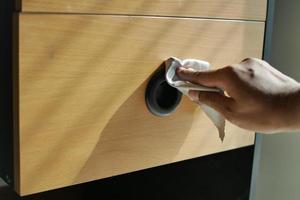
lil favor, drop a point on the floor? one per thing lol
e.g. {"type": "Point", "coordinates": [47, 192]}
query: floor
{"type": "Point", "coordinates": [220, 176]}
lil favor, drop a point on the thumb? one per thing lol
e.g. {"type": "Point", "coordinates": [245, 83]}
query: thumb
{"type": "Point", "coordinates": [216, 100]}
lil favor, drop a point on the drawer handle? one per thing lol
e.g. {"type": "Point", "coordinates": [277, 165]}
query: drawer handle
{"type": "Point", "coordinates": [161, 98]}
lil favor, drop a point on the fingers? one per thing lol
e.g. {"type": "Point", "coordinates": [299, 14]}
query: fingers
{"type": "Point", "coordinates": [217, 101]}
{"type": "Point", "coordinates": [212, 78]}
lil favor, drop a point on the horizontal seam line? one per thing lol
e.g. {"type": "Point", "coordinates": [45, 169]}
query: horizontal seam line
{"type": "Point", "coordinates": [141, 15]}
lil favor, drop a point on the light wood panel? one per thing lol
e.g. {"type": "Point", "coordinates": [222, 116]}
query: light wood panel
{"type": "Point", "coordinates": [81, 94]}
{"type": "Point", "coordinates": [233, 9]}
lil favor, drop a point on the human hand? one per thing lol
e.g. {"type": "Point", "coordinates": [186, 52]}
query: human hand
{"type": "Point", "coordinates": [257, 96]}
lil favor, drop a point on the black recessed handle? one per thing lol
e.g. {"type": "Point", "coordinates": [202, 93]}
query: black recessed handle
{"type": "Point", "coordinates": [161, 98]}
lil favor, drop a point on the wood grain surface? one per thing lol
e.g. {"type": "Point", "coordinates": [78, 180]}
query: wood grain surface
{"type": "Point", "coordinates": [82, 79]}
{"type": "Point", "coordinates": [233, 9]}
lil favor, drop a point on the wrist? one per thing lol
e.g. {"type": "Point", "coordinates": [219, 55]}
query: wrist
{"type": "Point", "coordinates": [292, 114]}
{"type": "Point", "coordinates": [297, 108]}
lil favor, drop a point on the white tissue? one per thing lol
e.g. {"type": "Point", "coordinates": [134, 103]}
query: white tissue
{"type": "Point", "coordinates": [184, 86]}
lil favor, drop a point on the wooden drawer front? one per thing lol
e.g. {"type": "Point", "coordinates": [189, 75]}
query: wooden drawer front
{"type": "Point", "coordinates": [233, 9]}
{"type": "Point", "coordinates": [82, 78]}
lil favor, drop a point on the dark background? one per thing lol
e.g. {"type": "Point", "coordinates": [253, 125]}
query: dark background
{"type": "Point", "coordinates": [223, 176]}
{"type": "Point", "coordinates": [6, 132]}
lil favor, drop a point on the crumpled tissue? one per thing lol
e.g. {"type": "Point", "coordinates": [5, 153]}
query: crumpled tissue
{"type": "Point", "coordinates": [184, 86]}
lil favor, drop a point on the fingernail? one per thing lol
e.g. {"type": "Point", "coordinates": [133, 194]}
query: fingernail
{"type": "Point", "coordinates": [180, 69]}
{"type": "Point", "coordinates": [193, 95]}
